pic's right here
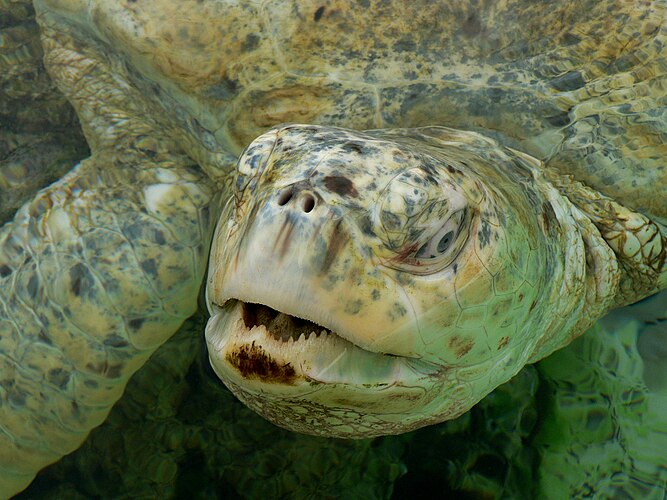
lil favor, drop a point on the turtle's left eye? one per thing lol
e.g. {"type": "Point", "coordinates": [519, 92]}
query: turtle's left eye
{"type": "Point", "coordinates": [440, 250]}
{"type": "Point", "coordinates": [437, 245]}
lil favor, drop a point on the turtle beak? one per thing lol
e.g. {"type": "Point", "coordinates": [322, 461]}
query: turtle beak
{"type": "Point", "coordinates": [280, 254]}
{"type": "Point", "coordinates": [293, 252]}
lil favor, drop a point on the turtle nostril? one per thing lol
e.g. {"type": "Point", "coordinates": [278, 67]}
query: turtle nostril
{"type": "Point", "coordinates": [284, 197]}
{"type": "Point", "coordinates": [308, 203]}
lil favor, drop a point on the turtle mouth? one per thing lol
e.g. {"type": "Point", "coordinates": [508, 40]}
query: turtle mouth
{"type": "Point", "coordinates": [283, 334]}
{"type": "Point", "coordinates": [279, 325]}
{"type": "Point", "coordinates": [258, 343]}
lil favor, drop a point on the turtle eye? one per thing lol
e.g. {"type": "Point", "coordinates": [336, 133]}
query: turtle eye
{"type": "Point", "coordinates": [440, 250]}
{"type": "Point", "coordinates": [434, 248]}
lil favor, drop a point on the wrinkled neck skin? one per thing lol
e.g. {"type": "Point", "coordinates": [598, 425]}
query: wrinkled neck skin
{"type": "Point", "coordinates": [414, 342]}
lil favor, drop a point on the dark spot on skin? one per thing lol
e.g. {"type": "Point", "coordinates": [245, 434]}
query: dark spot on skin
{"type": "Point", "coordinates": [521, 297]}
{"type": "Point", "coordinates": [43, 336]}
{"type": "Point", "coordinates": [569, 81]}
{"type": "Point", "coordinates": [115, 341]}
{"type": "Point", "coordinates": [484, 234]}
{"type": "Point", "coordinates": [452, 170]}
{"type": "Point", "coordinates": [58, 377]}
{"type": "Point", "coordinates": [397, 312]}
{"type": "Point", "coordinates": [472, 26]}
{"type": "Point", "coordinates": [95, 368]}
{"type": "Point", "coordinates": [80, 279]}
{"type": "Point", "coordinates": [136, 323]}
{"type": "Point", "coordinates": [33, 283]}
{"type": "Point", "coordinates": [559, 120]}
{"type": "Point", "coordinates": [255, 160]}
{"type": "Point", "coordinates": [406, 44]}
{"type": "Point", "coordinates": [503, 342]}
{"type": "Point", "coordinates": [251, 42]}
{"type": "Point", "coordinates": [318, 14]}
{"type": "Point", "coordinates": [354, 306]}
{"type": "Point", "coordinates": [337, 240]}
{"type": "Point", "coordinates": [341, 186]}
{"type": "Point", "coordinates": [366, 226]}
{"type": "Point", "coordinates": [5, 271]}
{"type": "Point", "coordinates": [16, 398]}
{"type": "Point", "coordinates": [375, 294]}
{"type": "Point", "coordinates": [571, 39]}
{"type": "Point", "coordinates": [253, 362]}
{"type": "Point", "coordinates": [150, 267]}
{"type": "Point", "coordinates": [460, 346]}
{"type": "Point", "coordinates": [390, 220]}
{"type": "Point", "coordinates": [225, 89]}
{"type": "Point", "coordinates": [91, 383]}
{"type": "Point", "coordinates": [113, 371]}
{"type": "Point", "coordinates": [159, 238]}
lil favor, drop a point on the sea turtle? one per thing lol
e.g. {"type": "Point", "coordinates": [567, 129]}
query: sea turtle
{"type": "Point", "coordinates": [504, 237]}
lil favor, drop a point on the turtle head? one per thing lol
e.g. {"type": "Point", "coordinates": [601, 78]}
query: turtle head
{"type": "Point", "coordinates": [366, 283]}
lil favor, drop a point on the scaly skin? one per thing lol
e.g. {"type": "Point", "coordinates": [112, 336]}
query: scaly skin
{"type": "Point", "coordinates": [578, 85]}
{"type": "Point", "coordinates": [97, 271]}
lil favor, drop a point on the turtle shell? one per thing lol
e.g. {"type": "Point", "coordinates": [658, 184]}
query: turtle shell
{"type": "Point", "coordinates": [579, 85]}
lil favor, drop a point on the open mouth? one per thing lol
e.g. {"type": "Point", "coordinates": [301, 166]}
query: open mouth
{"type": "Point", "coordinates": [279, 325]}
{"type": "Point", "coordinates": [260, 343]}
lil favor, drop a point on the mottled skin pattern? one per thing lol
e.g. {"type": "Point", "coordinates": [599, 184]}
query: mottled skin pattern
{"type": "Point", "coordinates": [97, 271]}
{"type": "Point", "coordinates": [169, 94]}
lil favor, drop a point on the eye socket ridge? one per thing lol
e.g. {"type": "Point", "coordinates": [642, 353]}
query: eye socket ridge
{"type": "Point", "coordinates": [442, 248]}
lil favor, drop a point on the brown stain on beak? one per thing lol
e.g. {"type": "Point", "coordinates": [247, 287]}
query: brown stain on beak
{"type": "Point", "coordinates": [252, 362]}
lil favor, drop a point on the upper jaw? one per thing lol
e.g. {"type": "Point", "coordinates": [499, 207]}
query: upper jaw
{"type": "Point", "coordinates": [247, 263]}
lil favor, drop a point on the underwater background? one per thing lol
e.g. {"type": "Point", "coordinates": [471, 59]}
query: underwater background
{"type": "Point", "coordinates": [575, 425]}
{"type": "Point", "coordinates": [590, 420]}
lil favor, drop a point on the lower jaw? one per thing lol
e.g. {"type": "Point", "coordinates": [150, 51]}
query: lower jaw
{"type": "Point", "coordinates": [321, 384]}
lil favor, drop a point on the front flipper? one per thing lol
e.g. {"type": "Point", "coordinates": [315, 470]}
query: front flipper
{"type": "Point", "coordinates": [96, 271]}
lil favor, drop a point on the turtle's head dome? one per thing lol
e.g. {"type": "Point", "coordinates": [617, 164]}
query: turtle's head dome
{"type": "Point", "coordinates": [373, 282]}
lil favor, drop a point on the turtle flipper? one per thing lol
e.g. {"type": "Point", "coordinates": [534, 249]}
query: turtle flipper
{"type": "Point", "coordinates": [96, 272]}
